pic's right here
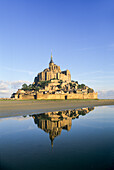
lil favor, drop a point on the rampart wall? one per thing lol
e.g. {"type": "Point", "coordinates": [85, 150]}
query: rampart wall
{"type": "Point", "coordinates": [67, 96]}
{"type": "Point", "coordinates": [26, 97]}
{"type": "Point", "coordinates": [59, 96]}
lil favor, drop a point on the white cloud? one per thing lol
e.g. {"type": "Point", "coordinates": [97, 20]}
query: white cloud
{"type": "Point", "coordinates": [106, 94]}
{"type": "Point", "coordinates": [9, 87]}
{"type": "Point", "coordinates": [4, 91]}
{"type": "Point", "coordinates": [18, 84]}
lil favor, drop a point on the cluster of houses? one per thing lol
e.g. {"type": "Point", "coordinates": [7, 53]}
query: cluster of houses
{"type": "Point", "coordinates": [60, 87]}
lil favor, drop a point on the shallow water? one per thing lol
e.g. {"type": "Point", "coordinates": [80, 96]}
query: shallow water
{"type": "Point", "coordinates": [75, 139]}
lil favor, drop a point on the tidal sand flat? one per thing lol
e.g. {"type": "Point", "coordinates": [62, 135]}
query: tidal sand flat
{"type": "Point", "coordinates": [15, 108]}
{"type": "Point", "coordinates": [71, 139]}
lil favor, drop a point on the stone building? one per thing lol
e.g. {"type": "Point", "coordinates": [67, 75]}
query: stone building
{"type": "Point", "coordinates": [53, 72]}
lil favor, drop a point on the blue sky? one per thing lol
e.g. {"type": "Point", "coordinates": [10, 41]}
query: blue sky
{"type": "Point", "coordinates": [80, 34]}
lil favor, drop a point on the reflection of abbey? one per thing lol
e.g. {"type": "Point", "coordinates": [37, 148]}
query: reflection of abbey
{"type": "Point", "coordinates": [54, 122]}
{"type": "Point", "coordinates": [52, 83]}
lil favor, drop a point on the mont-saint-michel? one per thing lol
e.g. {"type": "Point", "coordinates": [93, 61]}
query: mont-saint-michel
{"type": "Point", "coordinates": [56, 111]}
{"type": "Point", "coordinates": [52, 83]}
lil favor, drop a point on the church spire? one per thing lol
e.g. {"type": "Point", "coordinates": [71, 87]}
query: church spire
{"type": "Point", "coordinates": [51, 58]}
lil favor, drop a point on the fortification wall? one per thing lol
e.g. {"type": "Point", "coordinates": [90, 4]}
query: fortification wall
{"type": "Point", "coordinates": [59, 96]}
{"type": "Point", "coordinates": [91, 96]}
{"type": "Point", "coordinates": [50, 96]}
{"type": "Point", "coordinates": [26, 97]}
{"type": "Point", "coordinates": [67, 96]}
{"type": "Point", "coordinates": [83, 96]}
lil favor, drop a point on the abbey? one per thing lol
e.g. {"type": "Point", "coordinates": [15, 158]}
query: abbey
{"type": "Point", "coordinates": [52, 83]}
{"type": "Point", "coordinates": [53, 72]}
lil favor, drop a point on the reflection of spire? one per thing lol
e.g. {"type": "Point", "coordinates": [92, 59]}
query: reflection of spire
{"type": "Point", "coordinates": [52, 143]}
{"type": "Point", "coordinates": [52, 139]}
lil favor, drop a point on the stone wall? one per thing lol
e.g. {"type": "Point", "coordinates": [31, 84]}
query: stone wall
{"type": "Point", "coordinates": [26, 97]}
{"type": "Point", "coordinates": [67, 96]}
{"type": "Point", "coordinates": [59, 96]}
{"type": "Point", "coordinates": [50, 96]}
{"type": "Point", "coordinates": [83, 96]}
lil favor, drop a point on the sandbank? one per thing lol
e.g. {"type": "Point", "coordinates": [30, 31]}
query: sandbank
{"type": "Point", "coordinates": [9, 108]}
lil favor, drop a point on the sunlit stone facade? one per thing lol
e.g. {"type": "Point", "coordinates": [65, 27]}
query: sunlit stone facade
{"type": "Point", "coordinates": [53, 72]}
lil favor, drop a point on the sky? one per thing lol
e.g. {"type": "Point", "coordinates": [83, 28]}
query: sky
{"type": "Point", "coordinates": [79, 33]}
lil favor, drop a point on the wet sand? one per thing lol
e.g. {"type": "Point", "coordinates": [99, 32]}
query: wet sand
{"type": "Point", "coordinates": [17, 108]}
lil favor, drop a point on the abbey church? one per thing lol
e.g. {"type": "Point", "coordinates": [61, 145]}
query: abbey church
{"type": "Point", "coordinates": [53, 72]}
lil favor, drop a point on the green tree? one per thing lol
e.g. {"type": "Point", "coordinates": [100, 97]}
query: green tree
{"type": "Point", "coordinates": [90, 90]}
{"type": "Point", "coordinates": [81, 86]}
{"type": "Point", "coordinates": [24, 86]}
{"type": "Point", "coordinates": [44, 83]}
{"type": "Point", "coordinates": [30, 87]}
{"type": "Point", "coordinates": [37, 88]}
{"type": "Point", "coordinates": [72, 81]}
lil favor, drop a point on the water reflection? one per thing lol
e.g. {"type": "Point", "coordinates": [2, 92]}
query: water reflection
{"type": "Point", "coordinates": [54, 122]}
{"type": "Point", "coordinates": [24, 143]}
